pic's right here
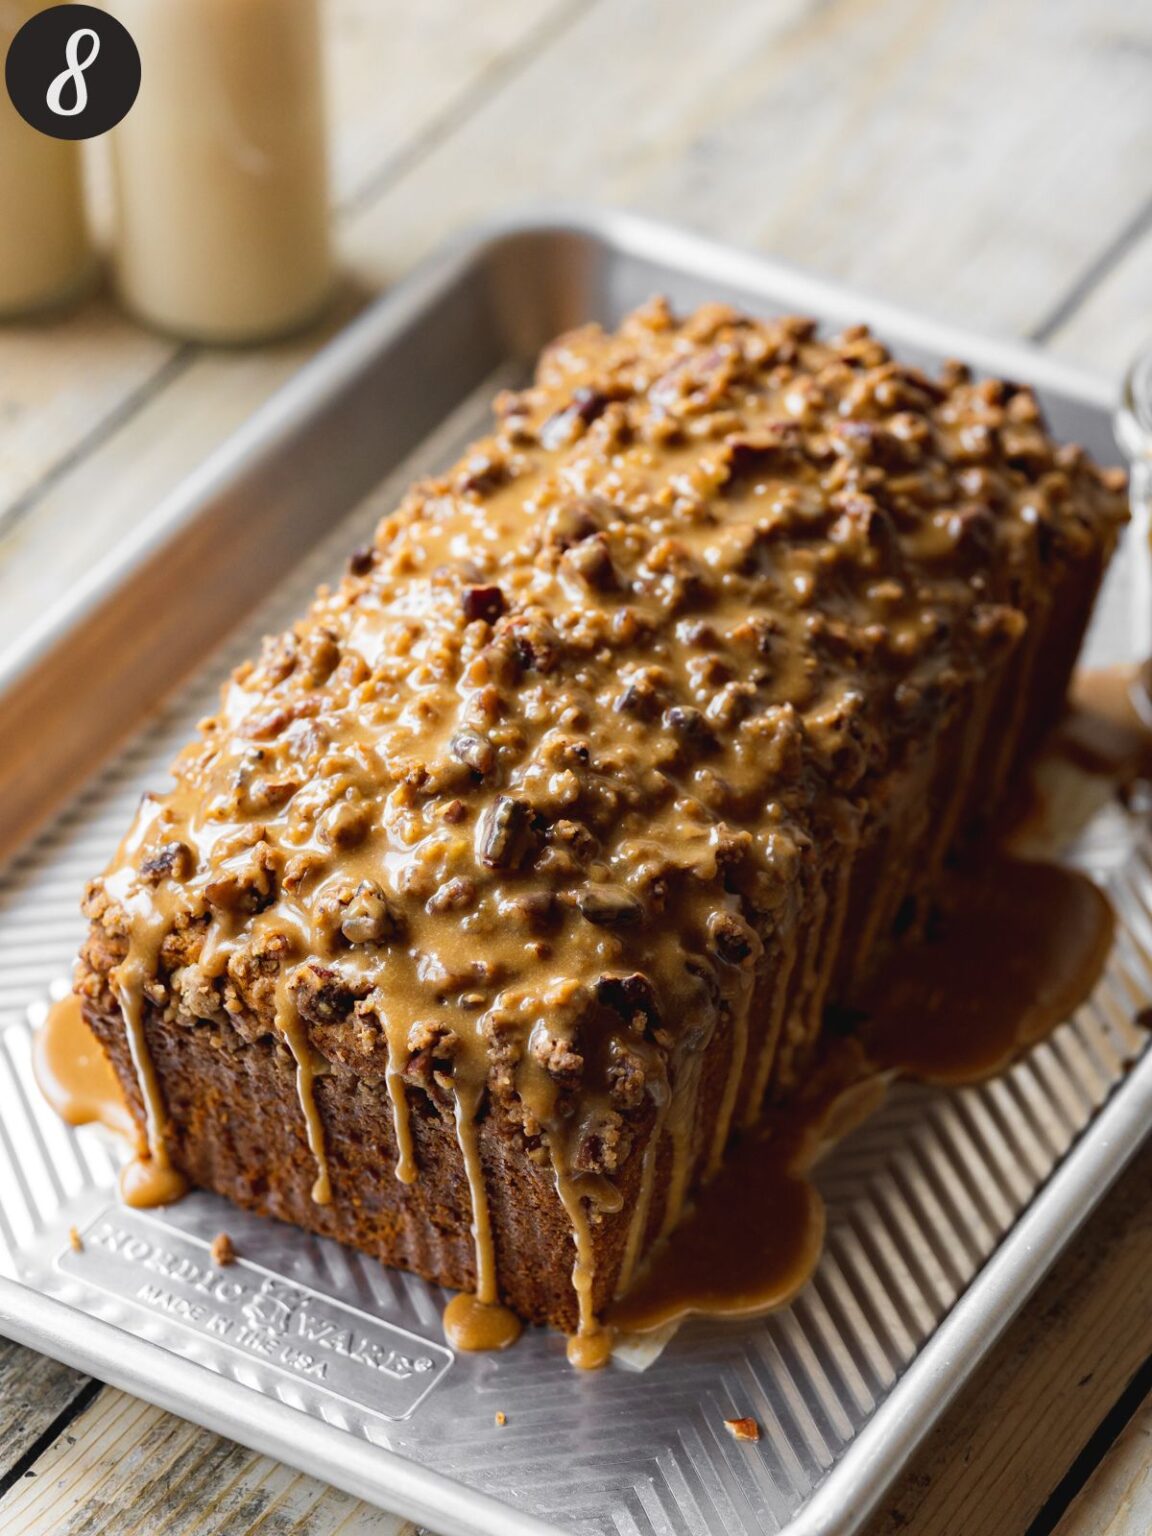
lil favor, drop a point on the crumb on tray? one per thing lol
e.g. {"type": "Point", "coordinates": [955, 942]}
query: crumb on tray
{"type": "Point", "coordinates": [223, 1253]}
{"type": "Point", "coordinates": [742, 1429]}
{"type": "Point", "coordinates": [501, 1420]}
{"type": "Point", "coordinates": [76, 1241]}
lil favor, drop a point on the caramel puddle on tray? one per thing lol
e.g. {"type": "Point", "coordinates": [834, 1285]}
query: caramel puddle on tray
{"type": "Point", "coordinates": [749, 1242]}
{"type": "Point", "coordinates": [76, 1078]}
{"type": "Point", "coordinates": [471, 1324]}
{"type": "Point", "coordinates": [74, 1075]}
{"type": "Point", "coordinates": [1108, 730]}
{"type": "Point", "coordinates": [1014, 951]}
{"type": "Point", "coordinates": [1101, 751]}
{"type": "Point", "coordinates": [1016, 948]}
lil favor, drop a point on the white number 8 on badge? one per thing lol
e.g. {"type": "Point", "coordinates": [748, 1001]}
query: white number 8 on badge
{"type": "Point", "coordinates": [100, 80]}
{"type": "Point", "coordinates": [74, 73]}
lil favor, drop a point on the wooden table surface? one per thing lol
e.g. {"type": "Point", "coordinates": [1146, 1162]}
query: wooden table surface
{"type": "Point", "coordinates": [986, 161]}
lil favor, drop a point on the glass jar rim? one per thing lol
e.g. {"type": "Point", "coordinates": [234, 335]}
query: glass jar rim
{"type": "Point", "coordinates": [1134, 416]}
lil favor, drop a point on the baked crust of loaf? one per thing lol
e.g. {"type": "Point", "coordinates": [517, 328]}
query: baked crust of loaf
{"type": "Point", "coordinates": [628, 746]}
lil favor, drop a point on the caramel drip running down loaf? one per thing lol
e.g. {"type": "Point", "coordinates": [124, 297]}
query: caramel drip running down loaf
{"type": "Point", "coordinates": [523, 867]}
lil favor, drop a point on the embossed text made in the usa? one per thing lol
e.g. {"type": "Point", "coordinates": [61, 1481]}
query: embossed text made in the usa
{"type": "Point", "coordinates": [313, 1338]}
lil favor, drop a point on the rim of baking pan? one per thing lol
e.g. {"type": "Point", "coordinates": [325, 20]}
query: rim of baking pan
{"type": "Point", "coordinates": [1134, 417]}
{"type": "Point", "coordinates": [860, 1477]}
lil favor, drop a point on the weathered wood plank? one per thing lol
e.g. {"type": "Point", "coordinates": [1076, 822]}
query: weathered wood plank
{"type": "Point", "coordinates": [83, 507]}
{"type": "Point", "coordinates": [1117, 1499]}
{"type": "Point", "coordinates": [1114, 317]}
{"type": "Point", "coordinates": [933, 151]}
{"type": "Point", "coordinates": [399, 74]}
{"type": "Point", "coordinates": [994, 1459]}
{"type": "Point", "coordinates": [126, 1467]}
{"type": "Point", "coordinates": [34, 1393]}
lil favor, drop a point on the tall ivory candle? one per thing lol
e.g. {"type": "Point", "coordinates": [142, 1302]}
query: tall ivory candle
{"type": "Point", "coordinates": [45, 256]}
{"type": "Point", "coordinates": [220, 169]}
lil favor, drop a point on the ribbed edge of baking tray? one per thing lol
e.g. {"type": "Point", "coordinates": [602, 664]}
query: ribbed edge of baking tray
{"type": "Point", "coordinates": [943, 1211]}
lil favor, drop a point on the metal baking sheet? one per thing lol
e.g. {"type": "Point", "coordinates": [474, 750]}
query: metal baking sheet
{"type": "Point", "coordinates": [944, 1210]}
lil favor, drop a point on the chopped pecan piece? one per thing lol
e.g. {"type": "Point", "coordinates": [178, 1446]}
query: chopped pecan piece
{"type": "Point", "coordinates": [559, 1058]}
{"type": "Point", "coordinates": [972, 533]}
{"type": "Point", "coordinates": [534, 910]}
{"type": "Point", "coordinates": [586, 405]}
{"type": "Point", "coordinates": [246, 883]}
{"type": "Point", "coordinates": [222, 1250]}
{"type": "Point", "coordinates": [642, 697]}
{"type": "Point", "coordinates": [345, 824]}
{"type": "Point", "coordinates": [534, 643]}
{"type": "Point", "coordinates": [574, 519]}
{"type": "Point", "coordinates": [320, 994]}
{"type": "Point", "coordinates": [627, 1080]}
{"type": "Point", "coordinates": [473, 751]}
{"type": "Point", "coordinates": [732, 938]}
{"type": "Point", "coordinates": [602, 1144]}
{"type": "Point", "coordinates": [270, 794]}
{"type": "Point", "coordinates": [370, 918]}
{"type": "Point", "coordinates": [321, 655]}
{"type": "Point", "coordinates": [485, 603]}
{"type": "Point", "coordinates": [482, 472]}
{"type": "Point", "coordinates": [265, 724]}
{"type": "Point", "coordinates": [300, 868]}
{"type": "Point", "coordinates": [690, 726]}
{"type": "Point", "coordinates": [455, 895]}
{"type": "Point", "coordinates": [591, 560]}
{"type": "Point", "coordinates": [629, 996]}
{"type": "Point", "coordinates": [576, 836]}
{"type": "Point", "coordinates": [609, 906]}
{"type": "Point", "coordinates": [504, 833]}
{"type": "Point", "coordinates": [171, 861]}
{"type": "Point", "coordinates": [432, 1048]}
{"type": "Point", "coordinates": [772, 447]}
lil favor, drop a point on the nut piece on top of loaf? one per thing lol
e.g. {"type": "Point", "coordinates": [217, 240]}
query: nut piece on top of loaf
{"type": "Point", "coordinates": [515, 879]}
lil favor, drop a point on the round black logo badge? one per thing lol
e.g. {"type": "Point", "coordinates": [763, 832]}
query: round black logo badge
{"type": "Point", "coordinates": [72, 71]}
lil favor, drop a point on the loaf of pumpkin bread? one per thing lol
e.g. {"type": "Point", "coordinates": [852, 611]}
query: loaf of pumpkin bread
{"type": "Point", "coordinates": [517, 877]}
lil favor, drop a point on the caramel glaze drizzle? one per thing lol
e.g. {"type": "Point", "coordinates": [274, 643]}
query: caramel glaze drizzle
{"type": "Point", "coordinates": [1013, 949]}
{"type": "Point", "coordinates": [480, 1320]}
{"type": "Point", "coordinates": [149, 1178]}
{"type": "Point", "coordinates": [514, 807]}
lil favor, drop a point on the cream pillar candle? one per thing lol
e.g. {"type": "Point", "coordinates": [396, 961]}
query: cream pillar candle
{"type": "Point", "coordinates": [220, 172]}
{"type": "Point", "coordinates": [45, 255]}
